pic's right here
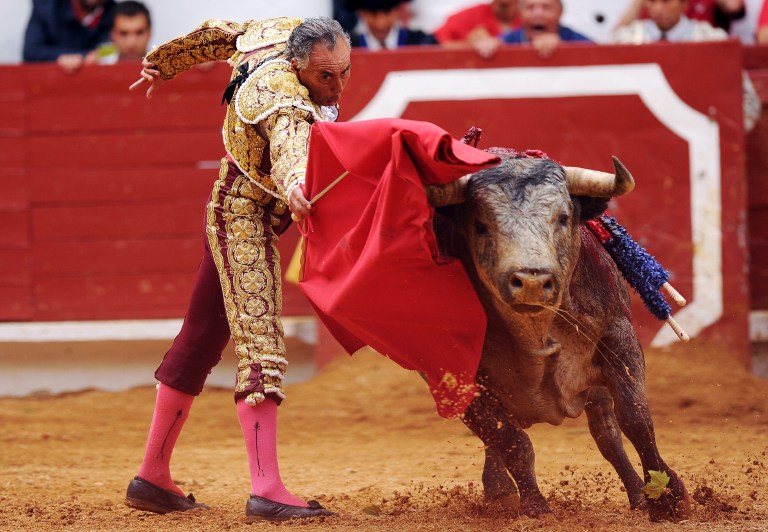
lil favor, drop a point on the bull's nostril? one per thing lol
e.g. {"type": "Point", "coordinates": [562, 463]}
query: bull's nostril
{"type": "Point", "coordinates": [532, 284]}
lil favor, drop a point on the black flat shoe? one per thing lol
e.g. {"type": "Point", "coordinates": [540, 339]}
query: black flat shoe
{"type": "Point", "coordinates": [146, 496]}
{"type": "Point", "coordinates": [261, 509]}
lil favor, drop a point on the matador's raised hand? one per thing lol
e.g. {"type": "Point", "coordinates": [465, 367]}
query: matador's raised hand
{"type": "Point", "coordinates": [149, 74]}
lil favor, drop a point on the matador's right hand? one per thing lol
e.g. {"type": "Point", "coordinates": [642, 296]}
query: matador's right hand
{"type": "Point", "coordinates": [298, 203]}
{"type": "Point", "coordinates": [149, 74]}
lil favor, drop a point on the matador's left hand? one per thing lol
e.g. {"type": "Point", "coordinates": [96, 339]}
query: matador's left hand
{"type": "Point", "coordinates": [150, 75]}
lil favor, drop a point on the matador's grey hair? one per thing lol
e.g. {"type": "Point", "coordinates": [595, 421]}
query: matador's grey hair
{"type": "Point", "coordinates": [313, 30]}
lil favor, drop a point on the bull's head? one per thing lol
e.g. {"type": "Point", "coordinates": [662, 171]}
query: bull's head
{"type": "Point", "coordinates": [517, 226]}
{"type": "Point", "coordinates": [581, 182]}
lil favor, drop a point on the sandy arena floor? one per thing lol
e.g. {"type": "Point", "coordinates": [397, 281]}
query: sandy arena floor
{"type": "Point", "coordinates": [363, 438]}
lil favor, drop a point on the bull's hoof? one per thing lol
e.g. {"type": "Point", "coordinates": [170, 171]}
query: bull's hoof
{"type": "Point", "coordinates": [638, 502]}
{"type": "Point", "coordinates": [636, 496]}
{"type": "Point", "coordinates": [497, 487]}
{"type": "Point", "coordinates": [534, 506]}
{"type": "Point", "coordinates": [509, 503]}
{"type": "Point", "coordinates": [673, 505]}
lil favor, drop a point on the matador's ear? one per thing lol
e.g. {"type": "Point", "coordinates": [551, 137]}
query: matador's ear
{"type": "Point", "coordinates": [295, 65]}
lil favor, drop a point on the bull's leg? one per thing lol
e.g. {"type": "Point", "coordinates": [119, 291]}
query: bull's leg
{"type": "Point", "coordinates": [498, 486]}
{"type": "Point", "coordinates": [635, 422]}
{"type": "Point", "coordinates": [605, 430]}
{"type": "Point", "coordinates": [488, 420]}
{"type": "Point", "coordinates": [627, 385]}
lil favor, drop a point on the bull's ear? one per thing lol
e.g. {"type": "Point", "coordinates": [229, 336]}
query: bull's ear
{"type": "Point", "coordinates": [591, 207]}
{"type": "Point", "coordinates": [449, 194]}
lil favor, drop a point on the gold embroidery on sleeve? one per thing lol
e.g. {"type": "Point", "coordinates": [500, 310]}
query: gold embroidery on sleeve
{"type": "Point", "coordinates": [288, 146]}
{"type": "Point", "coordinates": [212, 41]}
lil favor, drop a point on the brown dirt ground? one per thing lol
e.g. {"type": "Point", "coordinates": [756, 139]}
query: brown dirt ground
{"type": "Point", "coordinates": [364, 439]}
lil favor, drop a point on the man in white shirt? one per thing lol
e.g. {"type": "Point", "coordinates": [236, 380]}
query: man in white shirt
{"type": "Point", "coordinates": [380, 26]}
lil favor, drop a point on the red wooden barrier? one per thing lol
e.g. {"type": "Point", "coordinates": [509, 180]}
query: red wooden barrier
{"type": "Point", "coordinates": [103, 214]}
{"type": "Point", "coordinates": [756, 63]}
{"type": "Point", "coordinates": [103, 190]}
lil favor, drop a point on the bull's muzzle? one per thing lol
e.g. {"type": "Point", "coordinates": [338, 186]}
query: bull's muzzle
{"type": "Point", "coordinates": [529, 290]}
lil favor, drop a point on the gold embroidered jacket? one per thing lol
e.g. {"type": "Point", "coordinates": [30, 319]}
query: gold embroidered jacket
{"type": "Point", "coordinates": [271, 112]}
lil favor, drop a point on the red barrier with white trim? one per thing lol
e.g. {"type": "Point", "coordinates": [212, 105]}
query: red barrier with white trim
{"type": "Point", "coordinates": [102, 206]}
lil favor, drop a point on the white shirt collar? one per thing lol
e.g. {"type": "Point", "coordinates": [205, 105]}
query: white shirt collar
{"type": "Point", "coordinates": [373, 43]}
{"type": "Point", "coordinates": [677, 33]}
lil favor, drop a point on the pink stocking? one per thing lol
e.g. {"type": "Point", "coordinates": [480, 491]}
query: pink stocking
{"type": "Point", "coordinates": [171, 411]}
{"type": "Point", "coordinates": [259, 426]}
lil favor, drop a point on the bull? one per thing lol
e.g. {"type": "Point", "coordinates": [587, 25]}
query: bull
{"type": "Point", "coordinates": [559, 339]}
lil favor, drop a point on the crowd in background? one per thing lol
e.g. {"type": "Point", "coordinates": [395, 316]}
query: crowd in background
{"type": "Point", "coordinates": [78, 32]}
{"type": "Point", "coordinates": [74, 33]}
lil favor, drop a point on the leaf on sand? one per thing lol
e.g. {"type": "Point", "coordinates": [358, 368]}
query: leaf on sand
{"type": "Point", "coordinates": [655, 488]}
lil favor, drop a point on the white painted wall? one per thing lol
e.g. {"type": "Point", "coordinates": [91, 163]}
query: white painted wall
{"type": "Point", "coordinates": [594, 18]}
{"type": "Point", "coordinates": [13, 21]}
{"type": "Point", "coordinates": [171, 18]}
{"type": "Point", "coordinates": [429, 14]}
{"type": "Point", "coordinates": [745, 28]}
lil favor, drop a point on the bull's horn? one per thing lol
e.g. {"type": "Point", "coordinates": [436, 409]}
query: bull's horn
{"type": "Point", "coordinates": [583, 182]}
{"type": "Point", "coordinates": [449, 194]}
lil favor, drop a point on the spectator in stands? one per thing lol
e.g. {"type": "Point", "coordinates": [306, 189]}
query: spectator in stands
{"type": "Point", "coordinates": [762, 25]}
{"type": "Point", "coordinates": [344, 16]}
{"type": "Point", "coordinates": [131, 30]}
{"type": "Point", "coordinates": [721, 12]}
{"type": "Point", "coordinates": [540, 27]}
{"type": "Point", "coordinates": [67, 31]}
{"type": "Point", "coordinates": [379, 26]}
{"type": "Point", "coordinates": [667, 22]}
{"type": "Point", "coordinates": [718, 13]}
{"type": "Point", "coordinates": [479, 26]}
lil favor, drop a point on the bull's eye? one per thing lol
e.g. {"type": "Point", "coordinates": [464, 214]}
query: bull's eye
{"type": "Point", "coordinates": [563, 220]}
{"type": "Point", "coordinates": [480, 228]}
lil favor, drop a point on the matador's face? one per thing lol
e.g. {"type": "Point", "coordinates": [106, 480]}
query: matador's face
{"type": "Point", "coordinates": [326, 73]}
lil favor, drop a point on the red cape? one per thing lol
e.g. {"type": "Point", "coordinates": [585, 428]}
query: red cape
{"type": "Point", "coordinates": [371, 267]}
